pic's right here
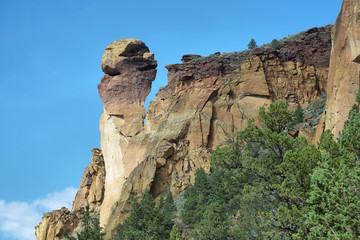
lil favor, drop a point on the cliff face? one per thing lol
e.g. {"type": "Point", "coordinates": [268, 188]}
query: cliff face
{"type": "Point", "coordinates": [206, 102]}
{"type": "Point", "coordinates": [344, 66]}
{"type": "Point", "coordinates": [91, 192]}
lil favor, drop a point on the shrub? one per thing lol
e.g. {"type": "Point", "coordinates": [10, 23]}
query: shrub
{"type": "Point", "coordinates": [275, 44]}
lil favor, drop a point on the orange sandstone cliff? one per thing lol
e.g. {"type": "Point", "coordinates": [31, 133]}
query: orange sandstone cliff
{"type": "Point", "coordinates": [344, 66]}
{"type": "Point", "coordinates": [206, 102]}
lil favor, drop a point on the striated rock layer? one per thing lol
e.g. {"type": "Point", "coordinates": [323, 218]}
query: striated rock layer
{"type": "Point", "coordinates": [344, 66]}
{"type": "Point", "coordinates": [206, 102]}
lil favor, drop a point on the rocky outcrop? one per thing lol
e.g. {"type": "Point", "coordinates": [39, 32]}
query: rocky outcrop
{"type": "Point", "coordinates": [92, 186]}
{"type": "Point", "coordinates": [206, 101]}
{"type": "Point", "coordinates": [344, 66]}
{"type": "Point", "coordinates": [129, 70]}
{"type": "Point", "coordinates": [91, 192]}
{"type": "Point", "coordinates": [189, 57]}
{"type": "Point", "coordinates": [56, 222]}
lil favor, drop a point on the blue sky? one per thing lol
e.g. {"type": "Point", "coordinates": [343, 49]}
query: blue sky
{"type": "Point", "coordinates": [50, 67]}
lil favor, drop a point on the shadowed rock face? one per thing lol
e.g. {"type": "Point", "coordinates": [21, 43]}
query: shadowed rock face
{"type": "Point", "coordinates": [205, 103]}
{"type": "Point", "coordinates": [344, 66]}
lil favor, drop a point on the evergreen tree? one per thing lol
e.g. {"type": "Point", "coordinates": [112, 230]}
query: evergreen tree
{"type": "Point", "coordinates": [294, 190]}
{"type": "Point", "coordinates": [335, 195]}
{"type": "Point", "coordinates": [350, 135]}
{"type": "Point", "coordinates": [146, 221]}
{"type": "Point", "coordinates": [252, 44]}
{"type": "Point", "coordinates": [91, 229]}
{"type": "Point", "coordinates": [168, 207]}
{"type": "Point", "coordinates": [196, 199]}
{"type": "Point", "coordinates": [298, 115]}
{"type": "Point", "coordinates": [275, 186]}
{"type": "Point", "coordinates": [215, 225]}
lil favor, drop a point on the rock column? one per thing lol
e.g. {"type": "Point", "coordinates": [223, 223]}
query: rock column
{"type": "Point", "coordinates": [129, 70]}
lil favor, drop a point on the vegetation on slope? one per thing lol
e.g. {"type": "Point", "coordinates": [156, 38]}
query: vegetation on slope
{"type": "Point", "coordinates": [268, 185]}
{"type": "Point", "coordinates": [273, 186]}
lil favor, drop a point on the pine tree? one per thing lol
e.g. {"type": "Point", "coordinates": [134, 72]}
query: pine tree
{"type": "Point", "coordinates": [215, 225]}
{"type": "Point", "coordinates": [252, 44]}
{"type": "Point", "coordinates": [91, 229]}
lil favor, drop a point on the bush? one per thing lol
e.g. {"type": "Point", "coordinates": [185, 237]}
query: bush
{"type": "Point", "coordinates": [275, 44]}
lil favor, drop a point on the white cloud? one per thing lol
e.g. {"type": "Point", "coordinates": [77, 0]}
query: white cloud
{"type": "Point", "coordinates": [18, 219]}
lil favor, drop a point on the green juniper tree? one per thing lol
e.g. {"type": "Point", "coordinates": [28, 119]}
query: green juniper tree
{"type": "Point", "coordinates": [215, 224]}
{"type": "Point", "coordinates": [335, 195]}
{"type": "Point", "coordinates": [298, 115]}
{"type": "Point", "coordinates": [91, 229]}
{"type": "Point", "coordinates": [147, 221]}
{"type": "Point", "coordinates": [196, 199]}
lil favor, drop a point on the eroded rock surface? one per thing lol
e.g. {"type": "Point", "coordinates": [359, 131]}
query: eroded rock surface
{"type": "Point", "coordinates": [92, 187]}
{"type": "Point", "coordinates": [56, 222]}
{"type": "Point", "coordinates": [129, 69]}
{"type": "Point", "coordinates": [344, 66]}
{"type": "Point", "coordinates": [91, 192]}
{"type": "Point", "coordinates": [206, 101]}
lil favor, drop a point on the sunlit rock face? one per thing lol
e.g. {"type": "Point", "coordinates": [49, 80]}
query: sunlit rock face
{"type": "Point", "coordinates": [91, 192]}
{"type": "Point", "coordinates": [92, 186]}
{"type": "Point", "coordinates": [344, 66]}
{"type": "Point", "coordinates": [206, 102]}
{"type": "Point", "coordinates": [129, 70]}
{"type": "Point", "coordinates": [56, 222]}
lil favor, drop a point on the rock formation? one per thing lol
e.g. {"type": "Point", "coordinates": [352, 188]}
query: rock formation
{"type": "Point", "coordinates": [344, 66]}
{"type": "Point", "coordinates": [129, 70]}
{"type": "Point", "coordinates": [206, 101]}
{"type": "Point", "coordinates": [56, 222]}
{"type": "Point", "coordinates": [91, 192]}
{"type": "Point", "coordinates": [92, 186]}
